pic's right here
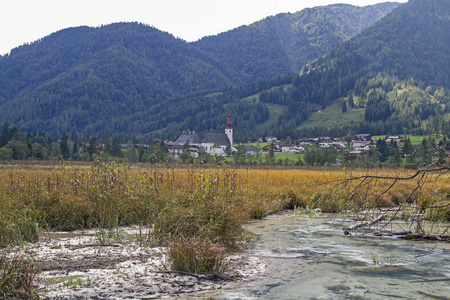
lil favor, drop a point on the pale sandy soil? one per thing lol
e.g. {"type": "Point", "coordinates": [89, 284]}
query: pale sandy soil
{"type": "Point", "coordinates": [118, 265]}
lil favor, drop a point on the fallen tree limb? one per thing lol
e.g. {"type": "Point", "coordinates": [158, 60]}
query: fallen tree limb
{"type": "Point", "coordinates": [408, 235]}
{"type": "Point", "coordinates": [423, 236]}
{"type": "Point", "coordinates": [366, 223]}
{"type": "Point", "coordinates": [392, 233]}
{"type": "Point", "coordinates": [432, 280]}
{"type": "Point", "coordinates": [434, 296]}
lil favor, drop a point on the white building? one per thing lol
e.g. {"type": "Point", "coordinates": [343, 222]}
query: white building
{"type": "Point", "coordinates": [212, 143]}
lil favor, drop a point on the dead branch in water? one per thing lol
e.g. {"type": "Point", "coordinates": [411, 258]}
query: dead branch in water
{"type": "Point", "coordinates": [365, 223]}
{"type": "Point", "coordinates": [364, 196]}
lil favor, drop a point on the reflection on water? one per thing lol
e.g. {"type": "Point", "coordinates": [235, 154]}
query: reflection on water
{"type": "Point", "coordinates": [310, 258]}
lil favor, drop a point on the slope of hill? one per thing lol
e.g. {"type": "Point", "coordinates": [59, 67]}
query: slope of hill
{"type": "Point", "coordinates": [397, 70]}
{"type": "Point", "coordinates": [78, 76]}
{"type": "Point", "coordinates": [172, 61]}
{"type": "Point", "coordinates": [131, 78]}
{"type": "Point", "coordinates": [286, 42]}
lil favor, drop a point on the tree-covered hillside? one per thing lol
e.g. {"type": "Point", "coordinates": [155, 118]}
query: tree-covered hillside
{"type": "Point", "coordinates": [286, 42]}
{"type": "Point", "coordinates": [134, 79]}
{"type": "Point", "coordinates": [79, 76]}
{"type": "Point", "coordinates": [397, 70]}
{"type": "Point", "coordinates": [392, 78]}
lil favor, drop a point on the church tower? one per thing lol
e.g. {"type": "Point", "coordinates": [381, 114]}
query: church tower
{"type": "Point", "coordinates": [229, 130]}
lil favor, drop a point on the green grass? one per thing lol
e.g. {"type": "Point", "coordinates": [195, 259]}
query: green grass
{"type": "Point", "coordinates": [275, 111]}
{"type": "Point", "coordinates": [213, 95]}
{"type": "Point", "coordinates": [252, 98]}
{"type": "Point", "coordinates": [258, 145]}
{"type": "Point", "coordinates": [255, 97]}
{"type": "Point", "coordinates": [415, 139]}
{"type": "Point", "coordinates": [291, 158]}
{"type": "Point", "coordinates": [332, 116]}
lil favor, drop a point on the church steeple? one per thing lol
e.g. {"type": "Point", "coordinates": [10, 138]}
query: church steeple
{"type": "Point", "coordinates": [229, 130]}
{"type": "Point", "coordinates": [229, 122]}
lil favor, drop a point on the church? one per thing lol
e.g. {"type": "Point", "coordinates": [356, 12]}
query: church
{"type": "Point", "coordinates": [212, 143]}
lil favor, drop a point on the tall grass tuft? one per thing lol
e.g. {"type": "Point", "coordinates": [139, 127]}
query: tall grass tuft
{"type": "Point", "coordinates": [108, 188]}
{"type": "Point", "coordinates": [17, 274]}
{"type": "Point", "coordinates": [17, 227]}
{"type": "Point", "coordinates": [197, 256]}
{"type": "Point", "coordinates": [207, 209]}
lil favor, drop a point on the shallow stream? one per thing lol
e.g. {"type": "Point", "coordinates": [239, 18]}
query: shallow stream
{"type": "Point", "coordinates": [310, 258]}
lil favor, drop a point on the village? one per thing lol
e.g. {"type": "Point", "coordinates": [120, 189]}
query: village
{"type": "Point", "coordinates": [221, 144]}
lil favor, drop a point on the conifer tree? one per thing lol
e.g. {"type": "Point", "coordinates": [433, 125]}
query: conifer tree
{"type": "Point", "coordinates": [344, 107]}
{"type": "Point", "coordinates": [64, 146]}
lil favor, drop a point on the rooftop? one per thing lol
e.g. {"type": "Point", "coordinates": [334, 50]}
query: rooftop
{"type": "Point", "coordinates": [190, 137]}
{"type": "Point", "coordinates": [218, 139]}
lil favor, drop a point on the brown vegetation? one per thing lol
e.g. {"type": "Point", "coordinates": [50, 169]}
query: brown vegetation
{"type": "Point", "coordinates": [191, 208]}
{"type": "Point", "coordinates": [204, 203]}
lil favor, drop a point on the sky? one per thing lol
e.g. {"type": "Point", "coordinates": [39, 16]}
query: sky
{"type": "Point", "coordinates": [25, 21]}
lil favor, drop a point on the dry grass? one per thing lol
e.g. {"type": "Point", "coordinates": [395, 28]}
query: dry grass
{"type": "Point", "coordinates": [197, 256]}
{"type": "Point", "coordinates": [17, 274]}
{"type": "Point", "coordinates": [198, 213]}
{"type": "Point", "coordinates": [210, 204]}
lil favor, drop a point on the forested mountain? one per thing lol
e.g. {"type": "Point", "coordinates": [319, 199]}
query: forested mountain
{"type": "Point", "coordinates": [396, 73]}
{"type": "Point", "coordinates": [390, 79]}
{"type": "Point", "coordinates": [286, 42]}
{"type": "Point", "coordinates": [131, 78]}
{"type": "Point", "coordinates": [79, 76]}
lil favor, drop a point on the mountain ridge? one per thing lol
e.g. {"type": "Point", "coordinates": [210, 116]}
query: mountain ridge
{"type": "Point", "coordinates": [397, 70]}
{"type": "Point", "coordinates": [292, 32]}
{"type": "Point", "coordinates": [128, 81]}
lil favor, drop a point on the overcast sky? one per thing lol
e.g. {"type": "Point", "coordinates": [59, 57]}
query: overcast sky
{"type": "Point", "coordinates": [24, 21]}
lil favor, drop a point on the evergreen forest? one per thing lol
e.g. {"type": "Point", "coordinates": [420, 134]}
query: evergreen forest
{"type": "Point", "coordinates": [382, 69]}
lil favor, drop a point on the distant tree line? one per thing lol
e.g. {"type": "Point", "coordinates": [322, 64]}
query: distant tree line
{"type": "Point", "coordinates": [17, 145]}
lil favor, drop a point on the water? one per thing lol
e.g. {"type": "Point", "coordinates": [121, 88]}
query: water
{"type": "Point", "coordinates": [310, 258]}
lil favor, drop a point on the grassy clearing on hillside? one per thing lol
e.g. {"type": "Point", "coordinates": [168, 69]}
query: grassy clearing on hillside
{"type": "Point", "coordinates": [255, 97]}
{"type": "Point", "coordinates": [275, 111]}
{"type": "Point", "coordinates": [332, 116]}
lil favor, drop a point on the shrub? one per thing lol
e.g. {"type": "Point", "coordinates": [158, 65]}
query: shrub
{"type": "Point", "coordinates": [197, 256]}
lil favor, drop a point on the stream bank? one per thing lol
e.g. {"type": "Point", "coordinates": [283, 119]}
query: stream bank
{"type": "Point", "coordinates": [310, 258]}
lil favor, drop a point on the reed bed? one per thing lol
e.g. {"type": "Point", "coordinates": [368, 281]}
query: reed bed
{"type": "Point", "coordinates": [204, 207]}
{"type": "Point", "coordinates": [208, 203]}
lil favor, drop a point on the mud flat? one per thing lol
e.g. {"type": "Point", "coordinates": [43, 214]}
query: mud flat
{"type": "Point", "coordinates": [117, 265]}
